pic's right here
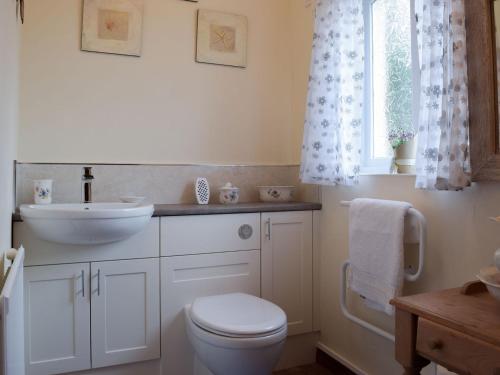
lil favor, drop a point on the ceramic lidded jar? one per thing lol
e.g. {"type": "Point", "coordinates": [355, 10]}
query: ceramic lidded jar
{"type": "Point", "coordinates": [229, 194]}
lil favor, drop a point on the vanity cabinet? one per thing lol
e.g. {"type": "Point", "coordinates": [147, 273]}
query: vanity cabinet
{"type": "Point", "coordinates": [111, 309]}
{"type": "Point", "coordinates": [287, 266]}
{"type": "Point", "coordinates": [91, 307]}
{"type": "Point", "coordinates": [57, 318]}
{"type": "Point", "coordinates": [263, 254]}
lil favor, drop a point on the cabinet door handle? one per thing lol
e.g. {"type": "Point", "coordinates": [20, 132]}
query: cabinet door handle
{"type": "Point", "coordinates": [83, 283]}
{"type": "Point", "coordinates": [268, 224]}
{"type": "Point", "coordinates": [98, 282]}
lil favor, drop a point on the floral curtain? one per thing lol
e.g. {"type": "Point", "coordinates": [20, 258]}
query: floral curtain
{"type": "Point", "coordinates": [443, 128]}
{"type": "Point", "coordinates": [331, 152]}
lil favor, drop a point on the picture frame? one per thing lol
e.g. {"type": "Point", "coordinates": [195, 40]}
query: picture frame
{"type": "Point", "coordinates": [113, 26]}
{"type": "Point", "coordinates": [222, 38]}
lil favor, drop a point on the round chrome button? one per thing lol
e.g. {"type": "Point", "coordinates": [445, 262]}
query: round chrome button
{"type": "Point", "coordinates": [245, 232]}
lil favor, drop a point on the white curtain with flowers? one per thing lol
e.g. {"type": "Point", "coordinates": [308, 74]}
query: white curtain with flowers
{"type": "Point", "coordinates": [331, 152]}
{"type": "Point", "coordinates": [443, 127]}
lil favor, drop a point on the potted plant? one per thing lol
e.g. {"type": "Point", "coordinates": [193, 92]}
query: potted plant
{"type": "Point", "coordinates": [402, 140]}
{"type": "Point", "coordinates": [399, 96]}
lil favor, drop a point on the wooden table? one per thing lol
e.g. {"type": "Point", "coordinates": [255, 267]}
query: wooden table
{"type": "Point", "coordinates": [456, 328]}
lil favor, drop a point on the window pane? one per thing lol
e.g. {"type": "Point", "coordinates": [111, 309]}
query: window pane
{"type": "Point", "coordinates": [392, 75]}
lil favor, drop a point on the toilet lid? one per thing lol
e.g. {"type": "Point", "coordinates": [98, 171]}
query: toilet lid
{"type": "Point", "coordinates": [237, 314]}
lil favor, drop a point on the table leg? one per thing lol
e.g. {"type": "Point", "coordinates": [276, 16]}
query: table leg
{"type": "Point", "coordinates": [406, 340]}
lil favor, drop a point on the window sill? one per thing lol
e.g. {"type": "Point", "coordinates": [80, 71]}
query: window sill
{"type": "Point", "coordinates": [384, 174]}
{"type": "Point", "coordinates": [382, 167]}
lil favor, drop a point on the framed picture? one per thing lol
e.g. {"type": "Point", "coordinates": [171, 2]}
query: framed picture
{"type": "Point", "coordinates": [222, 38]}
{"type": "Point", "coordinates": [112, 26]}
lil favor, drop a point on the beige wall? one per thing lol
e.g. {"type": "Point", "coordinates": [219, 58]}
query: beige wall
{"type": "Point", "coordinates": [461, 240]}
{"type": "Point", "coordinates": [302, 18]}
{"type": "Point", "coordinates": [78, 102]}
{"type": "Point", "coordinates": [162, 107]}
{"type": "Point", "coordinates": [9, 34]}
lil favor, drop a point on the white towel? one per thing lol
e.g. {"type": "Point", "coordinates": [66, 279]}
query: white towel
{"type": "Point", "coordinates": [376, 250]}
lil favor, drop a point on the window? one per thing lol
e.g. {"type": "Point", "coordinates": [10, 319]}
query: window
{"type": "Point", "coordinates": [391, 61]}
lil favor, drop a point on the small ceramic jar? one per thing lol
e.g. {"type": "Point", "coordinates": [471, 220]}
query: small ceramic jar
{"type": "Point", "coordinates": [229, 194]}
{"type": "Point", "coordinates": [42, 190]}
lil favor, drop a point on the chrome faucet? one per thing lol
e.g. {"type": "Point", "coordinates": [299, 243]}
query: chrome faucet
{"type": "Point", "coordinates": [87, 185]}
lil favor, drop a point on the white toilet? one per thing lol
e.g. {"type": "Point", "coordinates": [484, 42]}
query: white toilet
{"type": "Point", "coordinates": [236, 333]}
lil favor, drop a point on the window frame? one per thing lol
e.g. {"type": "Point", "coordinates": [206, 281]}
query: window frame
{"type": "Point", "coordinates": [369, 164]}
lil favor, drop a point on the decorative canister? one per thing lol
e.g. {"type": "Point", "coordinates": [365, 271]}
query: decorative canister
{"type": "Point", "coordinates": [229, 194]}
{"type": "Point", "coordinates": [42, 190]}
{"type": "Point", "coordinates": [202, 190]}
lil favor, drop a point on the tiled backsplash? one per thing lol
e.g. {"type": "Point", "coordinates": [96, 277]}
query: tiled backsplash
{"type": "Point", "coordinates": [159, 183]}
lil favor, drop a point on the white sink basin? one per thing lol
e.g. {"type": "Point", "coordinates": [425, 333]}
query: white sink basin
{"type": "Point", "coordinates": [86, 223]}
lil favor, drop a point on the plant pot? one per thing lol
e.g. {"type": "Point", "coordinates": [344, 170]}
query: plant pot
{"type": "Point", "coordinates": [405, 157]}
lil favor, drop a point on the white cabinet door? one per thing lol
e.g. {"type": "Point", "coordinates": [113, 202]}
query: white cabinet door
{"type": "Point", "coordinates": [125, 311]}
{"type": "Point", "coordinates": [185, 278]}
{"type": "Point", "coordinates": [57, 318]}
{"type": "Point", "coordinates": [287, 272]}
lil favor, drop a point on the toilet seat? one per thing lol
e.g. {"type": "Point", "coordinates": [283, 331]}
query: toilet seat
{"type": "Point", "coordinates": [202, 335]}
{"type": "Point", "coordinates": [236, 333]}
{"type": "Point", "coordinates": [237, 315]}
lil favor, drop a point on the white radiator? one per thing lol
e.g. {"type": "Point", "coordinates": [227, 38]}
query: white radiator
{"type": "Point", "coordinates": [12, 319]}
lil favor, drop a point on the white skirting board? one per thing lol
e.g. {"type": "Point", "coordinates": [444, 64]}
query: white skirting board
{"type": "Point", "coordinates": [432, 369]}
